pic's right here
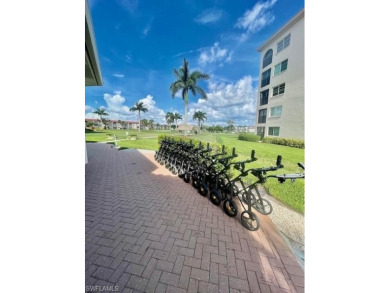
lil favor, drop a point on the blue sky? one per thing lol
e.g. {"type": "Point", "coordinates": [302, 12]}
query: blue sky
{"type": "Point", "coordinates": [141, 42]}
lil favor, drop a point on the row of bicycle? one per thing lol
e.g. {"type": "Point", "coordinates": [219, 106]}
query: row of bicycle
{"type": "Point", "coordinates": [210, 173]}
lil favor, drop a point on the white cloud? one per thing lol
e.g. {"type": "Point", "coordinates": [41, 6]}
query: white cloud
{"type": "Point", "coordinates": [236, 101]}
{"type": "Point", "coordinates": [209, 16]}
{"type": "Point", "coordinates": [146, 30]}
{"type": "Point", "coordinates": [155, 113]}
{"type": "Point", "coordinates": [128, 58]}
{"type": "Point", "coordinates": [117, 110]}
{"type": "Point", "coordinates": [215, 54]}
{"type": "Point", "coordinates": [88, 109]}
{"type": "Point", "coordinates": [129, 5]}
{"type": "Point", "coordinates": [118, 75]}
{"type": "Point", "coordinates": [256, 18]}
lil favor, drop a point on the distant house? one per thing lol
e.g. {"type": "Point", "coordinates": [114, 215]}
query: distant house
{"type": "Point", "coordinates": [183, 127]}
{"type": "Point", "coordinates": [250, 129]}
{"type": "Point", "coordinates": [112, 124]}
{"type": "Point", "coordinates": [96, 123]}
{"type": "Point", "coordinates": [130, 124]}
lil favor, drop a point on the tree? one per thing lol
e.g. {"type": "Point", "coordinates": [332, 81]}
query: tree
{"type": "Point", "coordinates": [139, 106]}
{"type": "Point", "coordinates": [187, 82]}
{"type": "Point", "coordinates": [169, 118]}
{"type": "Point", "coordinates": [101, 112]}
{"type": "Point", "coordinates": [230, 123]}
{"type": "Point", "coordinates": [177, 116]}
{"type": "Point", "coordinates": [151, 123]}
{"type": "Point", "coordinates": [144, 123]}
{"type": "Point", "coordinates": [200, 116]}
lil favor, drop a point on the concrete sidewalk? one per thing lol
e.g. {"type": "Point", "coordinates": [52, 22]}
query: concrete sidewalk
{"type": "Point", "coordinates": [149, 231]}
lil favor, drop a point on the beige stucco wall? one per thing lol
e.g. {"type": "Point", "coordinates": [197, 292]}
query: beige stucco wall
{"type": "Point", "coordinates": [292, 119]}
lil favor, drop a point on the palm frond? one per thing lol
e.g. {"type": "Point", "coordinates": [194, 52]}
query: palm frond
{"type": "Point", "coordinates": [199, 75]}
{"type": "Point", "coordinates": [175, 87]}
{"type": "Point", "coordinates": [201, 92]}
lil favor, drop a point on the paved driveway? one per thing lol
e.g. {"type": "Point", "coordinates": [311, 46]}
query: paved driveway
{"type": "Point", "coordinates": [149, 231]}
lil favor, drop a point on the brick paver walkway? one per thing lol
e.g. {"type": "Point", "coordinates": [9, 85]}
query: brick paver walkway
{"type": "Point", "coordinates": [149, 231]}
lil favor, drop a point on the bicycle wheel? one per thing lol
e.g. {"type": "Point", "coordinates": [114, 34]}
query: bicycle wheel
{"type": "Point", "coordinates": [203, 189]}
{"type": "Point", "coordinates": [195, 182]}
{"type": "Point", "coordinates": [263, 206]}
{"type": "Point", "coordinates": [230, 207]}
{"type": "Point", "coordinates": [174, 170]}
{"type": "Point", "coordinates": [215, 197]}
{"type": "Point", "coordinates": [187, 177]}
{"type": "Point", "coordinates": [226, 191]}
{"type": "Point", "coordinates": [250, 221]}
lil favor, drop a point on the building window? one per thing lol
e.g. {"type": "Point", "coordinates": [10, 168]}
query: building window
{"type": "Point", "coordinates": [264, 97]}
{"type": "Point", "coordinates": [275, 111]}
{"type": "Point", "coordinates": [260, 131]}
{"type": "Point", "coordinates": [267, 58]}
{"type": "Point", "coordinates": [265, 77]}
{"type": "Point", "coordinates": [273, 131]}
{"type": "Point", "coordinates": [262, 116]}
{"type": "Point", "coordinates": [283, 44]}
{"type": "Point", "coordinates": [278, 90]}
{"type": "Point", "coordinates": [280, 67]}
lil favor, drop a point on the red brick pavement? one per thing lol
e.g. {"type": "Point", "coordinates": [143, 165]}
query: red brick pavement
{"type": "Point", "coordinates": [149, 231]}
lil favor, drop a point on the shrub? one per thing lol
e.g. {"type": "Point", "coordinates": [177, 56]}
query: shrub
{"type": "Point", "coordinates": [291, 142]}
{"type": "Point", "coordinates": [248, 137]}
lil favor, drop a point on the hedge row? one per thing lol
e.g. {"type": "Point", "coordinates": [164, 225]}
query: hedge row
{"type": "Point", "coordinates": [248, 137]}
{"type": "Point", "coordinates": [295, 143]}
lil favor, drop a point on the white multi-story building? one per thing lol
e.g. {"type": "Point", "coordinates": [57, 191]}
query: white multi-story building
{"type": "Point", "coordinates": [113, 124]}
{"type": "Point", "coordinates": [281, 96]}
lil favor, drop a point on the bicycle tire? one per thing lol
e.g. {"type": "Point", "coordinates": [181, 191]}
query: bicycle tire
{"type": "Point", "coordinates": [215, 197]}
{"type": "Point", "coordinates": [203, 189]}
{"type": "Point", "coordinates": [247, 220]}
{"type": "Point", "coordinates": [265, 208]}
{"type": "Point", "coordinates": [195, 182]}
{"type": "Point", "coordinates": [230, 207]}
{"type": "Point", "coordinates": [226, 191]}
{"type": "Point", "coordinates": [187, 177]}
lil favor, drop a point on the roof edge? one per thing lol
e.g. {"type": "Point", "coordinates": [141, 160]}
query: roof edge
{"type": "Point", "coordinates": [290, 23]}
{"type": "Point", "coordinates": [90, 44]}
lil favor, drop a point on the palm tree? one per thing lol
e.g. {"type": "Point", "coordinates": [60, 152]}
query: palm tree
{"type": "Point", "coordinates": [176, 117]}
{"type": "Point", "coordinates": [101, 112]}
{"type": "Point", "coordinates": [187, 82]}
{"type": "Point", "coordinates": [169, 117]}
{"type": "Point", "coordinates": [230, 123]}
{"type": "Point", "coordinates": [200, 116]}
{"type": "Point", "coordinates": [144, 123]}
{"type": "Point", "coordinates": [139, 106]}
{"type": "Point", "coordinates": [151, 123]}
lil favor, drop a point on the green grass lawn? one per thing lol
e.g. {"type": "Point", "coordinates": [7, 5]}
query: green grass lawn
{"type": "Point", "coordinates": [107, 135]}
{"type": "Point", "coordinates": [291, 194]}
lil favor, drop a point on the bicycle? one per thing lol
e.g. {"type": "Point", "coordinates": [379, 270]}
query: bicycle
{"type": "Point", "coordinates": [261, 204]}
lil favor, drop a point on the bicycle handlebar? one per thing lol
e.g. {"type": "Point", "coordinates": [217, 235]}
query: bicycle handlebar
{"type": "Point", "coordinates": [283, 177]}
{"type": "Point", "coordinates": [240, 165]}
{"type": "Point", "coordinates": [301, 165]}
{"type": "Point", "coordinates": [259, 172]}
{"type": "Point", "coordinates": [219, 154]}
